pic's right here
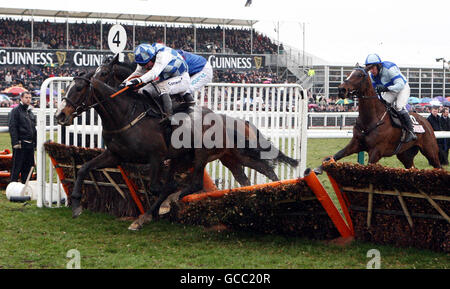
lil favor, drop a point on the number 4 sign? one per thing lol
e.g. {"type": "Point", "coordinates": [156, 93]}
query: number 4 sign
{"type": "Point", "coordinates": [117, 38]}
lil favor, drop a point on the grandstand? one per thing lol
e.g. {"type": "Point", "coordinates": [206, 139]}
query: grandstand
{"type": "Point", "coordinates": [424, 81]}
{"type": "Point", "coordinates": [36, 44]}
{"type": "Point", "coordinates": [58, 43]}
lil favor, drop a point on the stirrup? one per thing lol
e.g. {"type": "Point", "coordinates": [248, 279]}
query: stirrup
{"type": "Point", "coordinates": [410, 136]}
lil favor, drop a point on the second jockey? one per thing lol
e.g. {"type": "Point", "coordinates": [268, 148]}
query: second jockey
{"type": "Point", "coordinates": [200, 71]}
{"type": "Point", "coordinates": [159, 61]}
{"type": "Point", "coordinates": [393, 87]}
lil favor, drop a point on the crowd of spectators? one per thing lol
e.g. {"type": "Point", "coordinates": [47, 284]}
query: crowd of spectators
{"type": "Point", "coordinates": [32, 77]}
{"type": "Point", "coordinates": [322, 104]}
{"type": "Point", "coordinates": [252, 76]}
{"type": "Point", "coordinates": [53, 35]}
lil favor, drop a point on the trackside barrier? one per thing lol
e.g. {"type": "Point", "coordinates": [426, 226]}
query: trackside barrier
{"type": "Point", "coordinates": [322, 195]}
{"type": "Point", "coordinates": [406, 208]}
{"type": "Point", "coordinates": [345, 229]}
{"type": "Point", "coordinates": [49, 189]}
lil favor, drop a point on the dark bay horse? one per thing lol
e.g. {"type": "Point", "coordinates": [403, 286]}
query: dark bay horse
{"type": "Point", "coordinates": [145, 140]}
{"type": "Point", "coordinates": [374, 132]}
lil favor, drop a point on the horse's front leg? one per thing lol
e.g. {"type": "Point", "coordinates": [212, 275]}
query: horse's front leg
{"type": "Point", "coordinates": [163, 193]}
{"type": "Point", "coordinates": [374, 156]}
{"type": "Point", "coordinates": [157, 167]}
{"type": "Point", "coordinates": [201, 159]}
{"type": "Point", "coordinates": [353, 147]}
{"type": "Point", "coordinates": [106, 159]}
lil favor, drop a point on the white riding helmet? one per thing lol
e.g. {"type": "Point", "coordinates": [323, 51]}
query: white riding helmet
{"type": "Point", "coordinates": [373, 59]}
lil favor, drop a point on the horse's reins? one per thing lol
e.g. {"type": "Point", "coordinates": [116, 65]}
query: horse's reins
{"type": "Point", "coordinates": [79, 108]}
{"type": "Point", "coordinates": [356, 92]}
{"type": "Point", "coordinates": [139, 117]}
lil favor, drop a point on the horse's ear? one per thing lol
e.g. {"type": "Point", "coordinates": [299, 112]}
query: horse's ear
{"type": "Point", "coordinates": [357, 65]}
{"type": "Point", "coordinates": [115, 60]}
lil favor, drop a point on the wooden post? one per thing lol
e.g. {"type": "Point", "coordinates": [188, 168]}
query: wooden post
{"type": "Point", "coordinates": [404, 208]}
{"type": "Point", "coordinates": [370, 206]}
{"type": "Point", "coordinates": [436, 206]}
{"type": "Point", "coordinates": [116, 186]}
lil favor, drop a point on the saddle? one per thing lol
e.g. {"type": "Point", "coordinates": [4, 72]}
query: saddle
{"type": "Point", "coordinates": [178, 105]}
{"type": "Point", "coordinates": [395, 120]}
{"type": "Point", "coordinates": [153, 108]}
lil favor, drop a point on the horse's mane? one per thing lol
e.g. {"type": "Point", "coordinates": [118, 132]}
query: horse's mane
{"type": "Point", "coordinates": [127, 65]}
{"type": "Point", "coordinates": [86, 74]}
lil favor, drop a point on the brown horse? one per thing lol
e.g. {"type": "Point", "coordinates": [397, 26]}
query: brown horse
{"type": "Point", "coordinates": [132, 133]}
{"type": "Point", "coordinates": [374, 132]}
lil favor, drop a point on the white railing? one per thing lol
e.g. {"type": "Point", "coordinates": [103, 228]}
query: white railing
{"type": "Point", "coordinates": [279, 111]}
{"type": "Point", "coordinates": [48, 191]}
{"type": "Point", "coordinates": [344, 133]}
{"type": "Point", "coordinates": [339, 118]}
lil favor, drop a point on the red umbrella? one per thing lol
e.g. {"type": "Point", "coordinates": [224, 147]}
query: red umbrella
{"type": "Point", "coordinates": [15, 90]}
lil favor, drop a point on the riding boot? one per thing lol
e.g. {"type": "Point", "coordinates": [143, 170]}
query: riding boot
{"type": "Point", "coordinates": [407, 123]}
{"type": "Point", "coordinates": [188, 98]}
{"type": "Point", "coordinates": [167, 107]}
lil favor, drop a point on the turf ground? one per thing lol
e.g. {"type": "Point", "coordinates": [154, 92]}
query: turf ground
{"type": "Point", "coordinates": [40, 238]}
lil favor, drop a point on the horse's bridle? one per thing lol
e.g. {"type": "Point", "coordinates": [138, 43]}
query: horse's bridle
{"type": "Point", "coordinates": [356, 92]}
{"type": "Point", "coordinates": [81, 105]}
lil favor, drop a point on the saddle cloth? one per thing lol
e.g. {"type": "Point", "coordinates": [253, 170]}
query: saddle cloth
{"type": "Point", "coordinates": [418, 128]}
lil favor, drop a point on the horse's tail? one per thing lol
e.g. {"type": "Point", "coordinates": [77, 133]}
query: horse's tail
{"type": "Point", "coordinates": [287, 160]}
{"type": "Point", "coordinates": [258, 147]}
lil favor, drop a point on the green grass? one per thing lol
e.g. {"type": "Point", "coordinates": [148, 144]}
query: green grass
{"type": "Point", "coordinates": [40, 238]}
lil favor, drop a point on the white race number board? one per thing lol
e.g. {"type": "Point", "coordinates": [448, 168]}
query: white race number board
{"type": "Point", "coordinates": [117, 38]}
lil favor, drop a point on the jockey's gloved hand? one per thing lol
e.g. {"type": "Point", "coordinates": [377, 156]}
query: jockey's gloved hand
{"type": "Point", "coordinates": [122, 85]}
{"type": "Point", "coordinates": [134, 82]}
{"type": "Point", "coordinates": [381, 88]}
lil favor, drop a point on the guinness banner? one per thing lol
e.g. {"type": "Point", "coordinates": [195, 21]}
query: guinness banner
{"type": "Point", "coordinates": [235, 62]}
{"type": "Point", "coordinates": [93, 58]}
{"type": "Point", "coordinates": [60, 58]}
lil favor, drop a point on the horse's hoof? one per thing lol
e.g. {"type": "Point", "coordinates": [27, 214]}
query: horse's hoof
{"type": "Point", "coordinates": [165, 206]}
{"type": "Point", "coordinates": [164, 209]}
{"type": "Point", "coordinates": [139, 222]}
{"type": "Point", "coordinates": [318, 170]}
{"type": "Point", "coordinates": [135, 226]}
{"type": "Point", "coordinates": [76, 212]}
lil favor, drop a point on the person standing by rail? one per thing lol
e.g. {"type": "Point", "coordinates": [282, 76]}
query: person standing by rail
{"type": "Point", "coordinates": [445, 125]}
{"type": "Point", "coordinates": [22, 129]}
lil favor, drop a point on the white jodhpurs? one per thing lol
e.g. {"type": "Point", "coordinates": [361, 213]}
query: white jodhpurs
{"type": "Point", "coordinates": [201, 78]}
{"type": "Point", "coordinates": [175, 85]}
{"type": "Point", "coordinates": [398, 99]}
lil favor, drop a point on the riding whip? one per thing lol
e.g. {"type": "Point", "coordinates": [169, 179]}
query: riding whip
{"type": "Point", "coordinates": [123, 89]}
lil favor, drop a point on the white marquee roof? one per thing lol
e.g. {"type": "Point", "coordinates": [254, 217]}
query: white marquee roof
{"type": "Point", "coordinates": [128, 15]}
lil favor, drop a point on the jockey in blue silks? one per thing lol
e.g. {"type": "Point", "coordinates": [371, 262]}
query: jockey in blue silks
{"type": "Point", "coordinates": [393, 87]}
{"type": "Point", "coordinates": [200, 71]}
{"type": "Point", "coordinates": [162, 62]}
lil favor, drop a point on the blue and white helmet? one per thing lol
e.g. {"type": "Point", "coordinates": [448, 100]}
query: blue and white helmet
{"type": "Point", "coordinates": [144, 53]}
{"type": "Point", "coordinates": [373, 59]}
